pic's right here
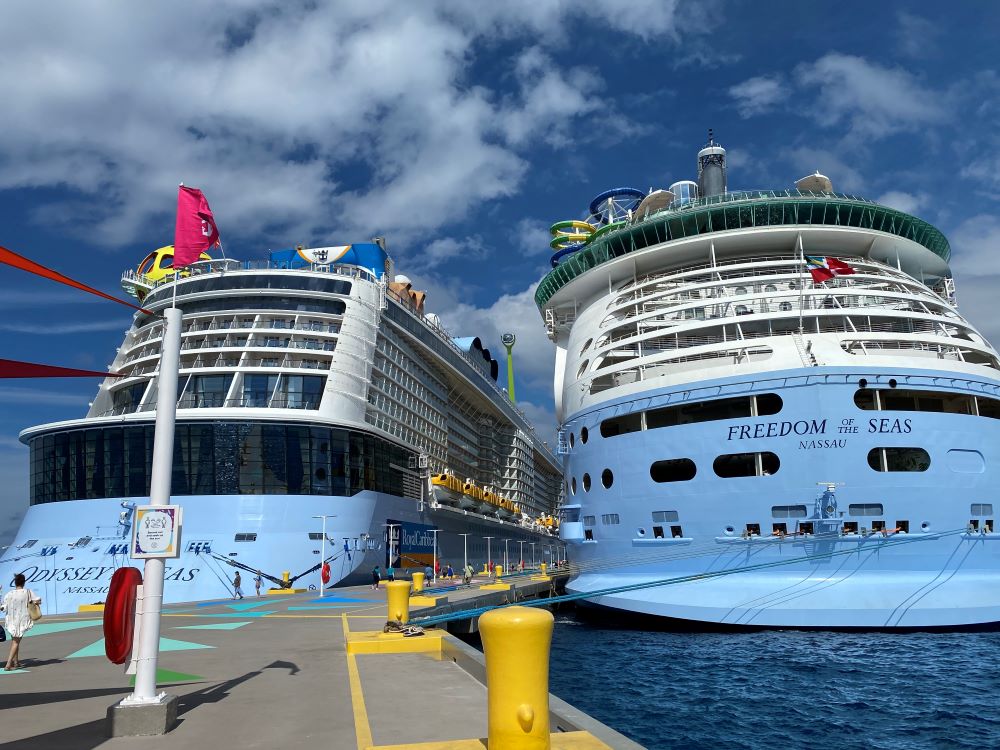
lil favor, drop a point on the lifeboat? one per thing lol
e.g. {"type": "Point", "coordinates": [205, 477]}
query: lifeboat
{"type": "Point", "coordinates": [472, 496]}
{"type": "Point", "coordinates": [447, 489]}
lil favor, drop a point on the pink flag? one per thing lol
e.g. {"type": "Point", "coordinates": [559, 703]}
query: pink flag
{"type": "Point", "coordinates": [195, 231]}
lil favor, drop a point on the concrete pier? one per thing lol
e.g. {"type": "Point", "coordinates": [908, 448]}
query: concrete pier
{"type": "Point", "coordinates": [283, 670]}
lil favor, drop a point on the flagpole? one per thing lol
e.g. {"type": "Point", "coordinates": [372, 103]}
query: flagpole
{"type": "Point", "coordinates": [802, 282]}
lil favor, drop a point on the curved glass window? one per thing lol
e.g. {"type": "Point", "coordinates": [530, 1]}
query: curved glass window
{"type": "Point", "coordinates": [673, 470]}
{"type": "Point", "coordinates": [733, 465]}
{"type": "Point", "coordinates": [899, 459]}
{"type": "Point", "coordinates": [215, 458]}
{"type": "Point", "coordinates": [253, 281]}
{"type": "Point", "coordinates": [691, 413]}
{"type": "Point", "coordinates": [232, 304]}
{"type": "Point", "coordinates": [943, 402]}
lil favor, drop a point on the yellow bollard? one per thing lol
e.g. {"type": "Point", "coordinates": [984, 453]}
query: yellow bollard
{"type": "Point", "coordinates": [516, 643]}
{"type": "Point", "coordinates": [499, 571]}
{"type": "Point", "coordinates": [418, 582]}
{"type": "Point", "coordinates": [285, 580]}
{"type": "Point", "coordinates": [398, 596]}
{"type": "Point", "coordinates": [544, 568]}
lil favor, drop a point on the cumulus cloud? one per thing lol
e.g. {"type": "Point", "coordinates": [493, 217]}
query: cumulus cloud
{"type": "Point", "coordinates": [974, 246]}
{"type": "Point", "coordinates": [312, 120]}
{"type": "Point", "coordinates": [910, 203]}
{"type": "Point", "coordinates": [845, 178]}
{"type": "Point", "coordinates": [759, 94]}
{"type": "Point", "coordinates": [532, 236]}
{"type": "Point", "coordinates": [874, 101]}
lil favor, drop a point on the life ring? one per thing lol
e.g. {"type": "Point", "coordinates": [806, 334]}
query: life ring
{"type": "Point", "coordinates": [119, 614]}
{"type": "Point", "coordinates": [325, 573]}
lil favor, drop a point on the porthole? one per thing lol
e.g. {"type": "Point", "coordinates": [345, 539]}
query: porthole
{"type": "Point", "coordinates": [640, 532]}
{"type": "Point", "coordinates": [925, 526]}
{"type": "Point", "coordinates": [586, 346]}
{"type": "Point", "coordinates": [583, 368]}
{"type": "Point", "coordinates": [572, 485]}
{"type": "Point", "coordinates": [673, 470]}
{"type": "Point", "coordinates": [572, 440]}
{"type": "Point", "coordinates": [740, 290]}
{"type": "Point", "coordinates": [584, 434]}
{"type": "Point", "coordinates": [730, 531]}
{"type": "Point", "coordinates": [785, 306]}
{"type": "Point", "coordinates": [586, 482]}
{"type": "Point", "coordinates": [863, 383]}
{"type": "Point", "coordinates": [892, 382]}
{"type": "Point", "coordinates": [607, 478]}
{"type": "Point", "coordinates": [770, 288]}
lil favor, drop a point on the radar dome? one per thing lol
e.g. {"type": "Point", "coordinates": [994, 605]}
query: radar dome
{"type": "Point", "coordinates": [815, 183]}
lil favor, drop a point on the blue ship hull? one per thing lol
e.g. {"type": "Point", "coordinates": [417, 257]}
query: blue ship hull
{"type": "Point", "coordinates": [78, 544]}
{"type": "Point", "coordinates": [939, 572]}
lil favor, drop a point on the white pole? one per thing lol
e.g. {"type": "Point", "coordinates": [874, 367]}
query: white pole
{"type": "Point", "coordinates": [322, 562]}
{"type": "Point", "coordinates": [506, 564]}
{"type": "Point", "coordinates": [489, 553]}
{"type": "Point", "coordinates": [159, 494]}
{"type": "Point", "coordinates": [802, 282]}
{"type": "Point", "coordinates": [521, 551]}
{"type": "Point", "coordinates": [434, 556]}
{"type": "Point", "coordinates": [533, 563]}
{"type": "Point", "coordinates": [465, 555]}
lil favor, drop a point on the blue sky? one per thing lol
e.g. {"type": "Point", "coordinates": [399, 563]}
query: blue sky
{"type": "Point", "coordinates": [460, 131]}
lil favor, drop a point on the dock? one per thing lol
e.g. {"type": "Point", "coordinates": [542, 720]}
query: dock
{"type": "Point", "coordinates": [280, 670]}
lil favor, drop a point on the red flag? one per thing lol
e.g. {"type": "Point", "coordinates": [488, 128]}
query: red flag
{"type": "Point", "coordinates": [195, 231]}
{"type": "Point", "coordinates": [10, 368]}
{"type": "Point", "coordinates": [824, 269]}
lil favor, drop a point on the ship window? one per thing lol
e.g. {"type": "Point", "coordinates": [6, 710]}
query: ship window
{"type": "Point", "coordinates": [205, 391]}
{"type": "Point", "coordinates": [676, 532]}
{"type": "Point", "coordinates": [572, 485]}
{"type": "Point", "coordinates": [878, 525]}
{"type": "Point", "coordinates": [731, 465]}
{"type": "Point", "coordinates": [788, 511]}
{"type": "Point", "coordinates": [988, 407]}
{"type": "Point", "coordinates": [586, 482]}
{"type": "Point", "coordinates": [583, 368]}
{"type": "Point", "coordinates": [584, 434]}
{"type": "Point", "coordinates": [806, 527]}
{"type": "Point", "coordinates": [779, 529]}
{"type": "Point", "coordinates": [316, 536]}
{"type": "Point", "coordinates": [588, 535]}
{"type": "Point", "coordinates": [572, 440]}
{"type": "Point", "coordinates": [916, 400]}
{"type": "Point", "coordinates": [865, 509]}
{"type": "Point", "coordinates": [673, 470]}
{"type": "Point", "coordinates": [665, 516]}
{"type": "Point", "coordinates": [850, 527]}
{"type": "Point", "coordinates": [982, 509]}
{"type": "Point", "coordinates": [28, 544]}
{"type": "Point", "coordinates": [657, 532]}
{"type": "Point", "coordinates": [752, 529]}
{"type": "Point", "coordinates": [589, 520]}
{"type": "Point", "coordinates": [609, 519]}
{"type": "Point", "coordinates": [246, 538]}
{"type": "Point", "coordinates": [785, 306]}
{"type": "Point", "coordinates": [586, 346]}
{"type": "Point", "coordinates": [903, 526]}
{"type": "Point", "coordinates": [621, 425]}
{"type": "Point", "coordinates": [899, 459]}
{"type": "Point", "coordinates": [607, 478]}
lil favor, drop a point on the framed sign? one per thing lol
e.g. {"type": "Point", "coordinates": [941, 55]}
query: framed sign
{"type": "Point", "coordinates": [156, 532]}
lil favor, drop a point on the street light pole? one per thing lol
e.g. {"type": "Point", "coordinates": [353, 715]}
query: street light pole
{"type": "Point", "coordinates": [389, 527]}
{"type": "Point", "coordinates": [521, 552]}
{"type": "Point", "coordinates": [434, 556]}
{"type": "Point", "coordinates": [489, 555]}
{"type": "Point", "coordinates": [465, 554]}
{"type": "Point", "coordinates": [506, 564]}
{"type": "Point", "coordinates": [322, 554]}
{"type": "Point", "coordinates": [533, 564]}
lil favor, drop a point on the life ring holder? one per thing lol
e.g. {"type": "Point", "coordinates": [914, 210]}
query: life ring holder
{"type": "Point", "coordinates": [119, 614]}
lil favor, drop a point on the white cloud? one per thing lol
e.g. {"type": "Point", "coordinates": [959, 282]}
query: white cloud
{"type": "Point", "coordinates": [13, 490]}
{"type": "Point", "coordinates": [845, 178]}
{"type": "Point", "coordinates": [759, 94]}
{"type": "Point", "coordinates": [910, 203]}
{"type": "Point", "coordinates": [532, 236]}
{"type": "Point", "coordinates": [11, 394]}
{"type": "Point", "coordinates": [543, 418]}
{"type": "Point", "coordinates": [54, 329]}
{"type": "Point", "coordinates": [915, 36]}
{"type": "Point", "coordinates": [315, 121]}
{"type": "Point", "coordinates": [974, 245]}
{"type": "Point", "coordinates": [874, 101]}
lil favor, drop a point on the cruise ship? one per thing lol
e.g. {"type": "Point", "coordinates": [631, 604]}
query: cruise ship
{"type": "Point", "coordinates": [312, 383]}
{"type": "Point", "coordinates": [772, 413]}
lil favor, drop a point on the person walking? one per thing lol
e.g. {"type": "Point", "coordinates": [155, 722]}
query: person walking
{"type": "Point", "coordinates": [18, 619]}
{"type": "Point", "coordinates": [390, 573]}
{"type": "Point", "coordinates": [258, 581]}
{"type": "Point", "coordinates": [429, 574]}
{"type": "Point", "coordinates": [451, 572]}
{"type": "Point", "coordinates": [376, 577]}
{"type": "Point", "coordinates": [237, 586]}
{"type": "Point", "coordinates": [467, 577]}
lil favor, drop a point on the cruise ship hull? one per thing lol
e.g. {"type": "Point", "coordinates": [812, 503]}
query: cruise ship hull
{"type": "Point", "coordinates": [78, 545]}
{"type": "Point", "coordinates": [886, 549]}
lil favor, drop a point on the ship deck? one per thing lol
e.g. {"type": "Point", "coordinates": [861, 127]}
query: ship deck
{"type": "Point", "coordinates": [273, 671]}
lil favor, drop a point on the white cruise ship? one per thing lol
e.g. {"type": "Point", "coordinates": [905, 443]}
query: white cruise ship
{"type": "Point", "coordinates": [772, 411]}
{"type": "Point", "coordinates": [311, 383]}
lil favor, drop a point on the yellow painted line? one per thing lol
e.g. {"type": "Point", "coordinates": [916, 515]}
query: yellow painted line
{"type": "Point", "coordinates": [362, 729]}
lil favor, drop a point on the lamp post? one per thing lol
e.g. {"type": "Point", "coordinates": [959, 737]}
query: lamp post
{"type": "Point", "coordinates": [434, 556]}
{"type": "Point", "coordinates": [533, 565]}
{"type": "Point", "coordinates": [506, 564]}
{"type": "Point", "coordinates": [465, 554]}
{"type": "Point", "coordinates": [389, 527]}
{"type": "Point", "coordinates": [322, 554]}
{"type": "Point", "coordinates": [489, 555]}
{"type": "Point", "coordinates": [521, 552]}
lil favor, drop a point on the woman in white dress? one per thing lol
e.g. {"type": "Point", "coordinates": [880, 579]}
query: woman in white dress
{"type": "Point", "coordinates": [18, 621]}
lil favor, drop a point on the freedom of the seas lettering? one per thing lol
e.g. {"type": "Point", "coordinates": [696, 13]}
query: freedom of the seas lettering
{"type": "Point", "coordinates": [818, 427]}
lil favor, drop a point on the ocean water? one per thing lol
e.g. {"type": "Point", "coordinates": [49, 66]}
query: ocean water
{"type": "Point", "coordinates": [782, 689]}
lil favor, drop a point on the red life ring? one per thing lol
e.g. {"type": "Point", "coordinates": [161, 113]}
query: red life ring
{"type": "Point", "coordinates": [325, 573]}
{"type": "Point", "coordinates": [119, 614]}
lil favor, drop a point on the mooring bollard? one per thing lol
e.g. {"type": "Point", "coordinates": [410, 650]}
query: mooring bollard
{"type": "Point", "coordinates": [499, 571]}
{"type": "Point", "coordinates": [418, 582]}
{"type": "Point", "coordinates": [398, 597]}
{"type": "Point", "coordinates": [516, 643]}
{"type": "Point", "coordinates": [544, 567]}
{"type": "Point", "coordinates": [285, 580]}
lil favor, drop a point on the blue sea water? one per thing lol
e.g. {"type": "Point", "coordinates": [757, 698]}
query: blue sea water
{"type": "Point", "coordinates": [782, 689]}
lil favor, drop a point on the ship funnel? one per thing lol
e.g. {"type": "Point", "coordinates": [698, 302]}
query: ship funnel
{"type": "Point", "coordinates": [712, 168]}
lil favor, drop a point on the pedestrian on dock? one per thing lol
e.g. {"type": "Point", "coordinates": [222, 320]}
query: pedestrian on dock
{"type": "Point", "coordinates": [258, 581]}
{"type": "Point", "coordinates": [376, 576]}
{"type": "Point", "coordinates": [467, 574]}
{"type": "Point", "coordinates": [429, 574]}
{"type": "Point", "coordinates": [390, 573]}
{"type": "Point", "coordinates": [237, 586]}
{"type": "Point", "coordinates": [451, 572]}
{"type": "Point", "coordinates": [18, 620]}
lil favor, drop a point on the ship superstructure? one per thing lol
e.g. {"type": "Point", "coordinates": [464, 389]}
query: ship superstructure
{"type": "Point", "coordinates": [311, 383]}
{"type": "Point", "coordinates": [775, 450]}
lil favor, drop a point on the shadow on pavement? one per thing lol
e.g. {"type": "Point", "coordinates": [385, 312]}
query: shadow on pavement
{"type": "Point", "coordinates": [77, 737]}
{"type": "Point", "coordinates": [216, 693]}
{"type": "Point", "coordinates": [20, 700]}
